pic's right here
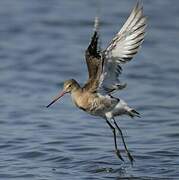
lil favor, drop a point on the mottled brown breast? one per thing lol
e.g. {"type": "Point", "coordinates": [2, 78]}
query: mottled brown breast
{"type": "Point", "coordinates": [82, 100]}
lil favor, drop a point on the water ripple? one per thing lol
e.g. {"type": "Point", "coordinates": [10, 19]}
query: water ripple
{"type": "Point", "coordinates": [42, 43]}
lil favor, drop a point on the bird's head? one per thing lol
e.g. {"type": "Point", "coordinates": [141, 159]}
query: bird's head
{"type": "Point", "coordinates": [68, 87]}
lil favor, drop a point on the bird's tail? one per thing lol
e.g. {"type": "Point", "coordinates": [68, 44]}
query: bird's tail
{"type": "Point", "coordinates": [132, 113]}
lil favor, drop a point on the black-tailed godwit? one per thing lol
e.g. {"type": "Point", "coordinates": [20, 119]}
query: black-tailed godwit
{"type": "Point", "coordinates": [104, 68]}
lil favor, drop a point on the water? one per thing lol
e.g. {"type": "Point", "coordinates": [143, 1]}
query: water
{"type": "Point", "coordinates": [42, 43]}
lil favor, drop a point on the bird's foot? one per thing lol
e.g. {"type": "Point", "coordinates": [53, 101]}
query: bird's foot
{"type": "Point", "coordinates": [131, 159]}
{"type": "Point", "coordinates": [119, 155]}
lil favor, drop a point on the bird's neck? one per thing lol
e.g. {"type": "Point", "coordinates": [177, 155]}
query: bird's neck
{"type": "Point", "coordinates": [75, 95]}
{"type": "Point", "coordinates": [76, 91]}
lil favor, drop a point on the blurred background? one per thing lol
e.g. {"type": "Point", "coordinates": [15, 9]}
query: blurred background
{"type": "Point", "coordinates": [42, 43]}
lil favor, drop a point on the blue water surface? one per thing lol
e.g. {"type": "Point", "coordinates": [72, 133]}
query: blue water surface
{"type": "Point", "coordinates": [42, 43]}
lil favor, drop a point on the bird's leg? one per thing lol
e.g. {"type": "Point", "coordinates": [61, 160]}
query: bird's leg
{"type": "Point", "coordinates": [125, 146]}
{"type": "Point", "coordinates": [115, 142]}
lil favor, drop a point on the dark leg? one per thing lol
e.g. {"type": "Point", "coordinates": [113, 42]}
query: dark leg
{"type": "Point", "coordinates": [115, 142]}
{"type": "Point", "coordinates": [125, 146]}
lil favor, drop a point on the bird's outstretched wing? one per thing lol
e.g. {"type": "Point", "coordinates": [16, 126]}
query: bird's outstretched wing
{"type": "Point", "coordinates": [93, 60]}
{"type": "Point", "coordinates": [122, 49]}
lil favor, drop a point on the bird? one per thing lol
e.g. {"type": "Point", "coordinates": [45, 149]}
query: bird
{"type": "Point", "coordinates": [96, 96]}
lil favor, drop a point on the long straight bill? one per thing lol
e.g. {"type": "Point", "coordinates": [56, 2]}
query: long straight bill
{"type": "Point", "coordinates": [56, 98]}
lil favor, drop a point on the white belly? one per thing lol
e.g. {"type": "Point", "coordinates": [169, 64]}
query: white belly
{"type": "Point", "coordinates": [121, 108]}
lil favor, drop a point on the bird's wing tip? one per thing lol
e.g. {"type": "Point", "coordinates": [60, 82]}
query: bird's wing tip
{"type": "Point", "coordinates": [96, 24]}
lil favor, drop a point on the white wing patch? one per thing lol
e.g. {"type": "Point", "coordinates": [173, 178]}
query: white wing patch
{"type": "Point", "coordinates": [122, 49]}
